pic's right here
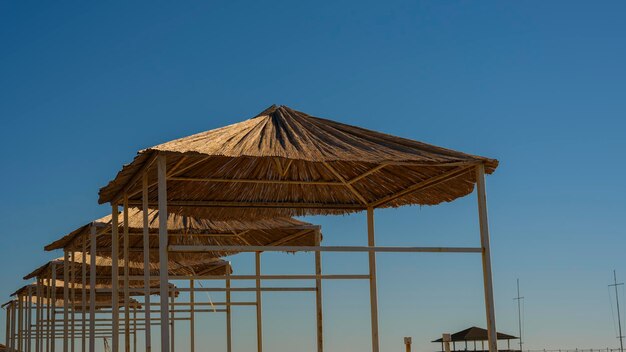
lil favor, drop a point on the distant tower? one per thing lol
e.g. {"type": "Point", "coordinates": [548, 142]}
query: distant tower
{"type": "Point", "coordinates": [519, 315]}
{"type": "Point", "coordinates": [619, 319]}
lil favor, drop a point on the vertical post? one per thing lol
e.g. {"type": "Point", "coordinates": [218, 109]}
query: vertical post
{"type": "Point", "coordinates": [20, 321]}
{"type": "Point", "coordinates": [373, 290]}
{"type": "Point", "coordinates": [73, 299]}
{"type": "Point", "coordinates": [146, 260]}
{"type": "Point", "coordinates": [173, 322]}
{"type": "Point", "coordinates": [48, 310]}
{"type": "Point", "coordinates": [83, 300]}
{"type": "Point", "coordinates": [486, 258]}
{"type": "Point", "coordinates": [29, 319]}
{"type": "Point", "coordinates": [53, 323]}
{"type": "Point", "coordinates": [37, 315]}
{"type": "Point", "coordinates": [40, 319]}
{"type": "Point", "coordinates": [126, 293]}
{"type": "Point", "coordinates": [318, 293]}
{"type": "Point", "coordinates": [259, 320]}
{"type": "Point", "coordinates": [13, 321]}
{"type": "Point", "coordinates": [92, 287]}
{"type": "Point", "coordinates": [446, 342]}
{"type": "Point", "coordinates": [66, 299]}
{"type": "Point", "coordinates": [228, 313]}
{"type": "Point", "coordinates": [115, 302]}
{"type": "Point", "coordinates": [7, 338]}
{"type": "Point", "coordinates": [192, 323]}
{"type": "Point", "coordinates": [163, 256]}
{"type": "Point", "coordinates": [134, 328]}
{"type": "Point", "coordinates": [14, 325]}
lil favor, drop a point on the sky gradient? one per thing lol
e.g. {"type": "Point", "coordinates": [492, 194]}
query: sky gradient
{"type": "Point", "coordinates": [541, 86]}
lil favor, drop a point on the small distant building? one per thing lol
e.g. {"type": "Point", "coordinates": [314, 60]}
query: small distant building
{"type": "Point", "coordinates": [475, 339]}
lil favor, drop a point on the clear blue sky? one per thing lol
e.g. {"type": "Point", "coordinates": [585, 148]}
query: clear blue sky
{"type": "Point", "coordinates": [539, 85]}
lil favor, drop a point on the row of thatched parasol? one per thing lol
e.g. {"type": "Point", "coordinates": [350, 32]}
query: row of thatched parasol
{"type": "Point", "coordinates": [238, 186]}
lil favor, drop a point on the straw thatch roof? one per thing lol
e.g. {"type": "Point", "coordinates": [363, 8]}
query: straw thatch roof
{"type": "Point", "coordinates": [283, 162]}
{"type": "Point", "coordinates": [184, 230]}
{"type": "Point", "coordinates": [104, 270]}
{"type": "Point", "coordinates": [103, 299]}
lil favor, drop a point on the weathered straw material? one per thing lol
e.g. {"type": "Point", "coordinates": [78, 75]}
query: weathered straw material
{"type": "Point", "coordinates": [286, 163]}
{"type": "Point", "coordinates": [104, 270]}
{"type": "Point", "coordinates": [103, 299]}
{"type": "Point", "coordinates": [185, 230]}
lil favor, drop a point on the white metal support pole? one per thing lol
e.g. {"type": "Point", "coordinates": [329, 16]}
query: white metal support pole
{"type": "Point", "coordinates": [10, 320]}
{"type": "Point", "coordinates": [7, 338]}
{"type": "Point", "coordinates": [53, 294]}
{"type": "Point", "coordinates": [83, 296]}
{"type": "Point", "coordinates": [228, 313]}
{"type": "Point", "coordinates": [66, 299]}
{"type": "Point", "coordinates": [192, 316]}
{"type": "Point", "coordinates": [486, 258]}
{"type": "Point", "coordinates": [126, 293]}
{"type": "Point", "coordinates": [372, 271]}
{"type": "Point", "coordinates": [73, 300]}
{"type": "Point", "coordinates": [48, 288]}
{"type": "Point", "coordinates": [259, 307]}
{"type": "Point", "coordinates": [115, 302]}
{"type": "Point", "coordinates": [42, 317]}
{"type": "Point", "coordinates": [163, 257]}
{"type": "Point", "coordinates": [13, 321]}
{"type": "Point", "coordinates": [134, 328]}
{"type": "Point", "coordinates": [92, 288]}
{"type": "Point", "coordinates": [40, 321]}
{"type": "Point", "coordinates": [20, 322]}
{"type": "Point", "coordinates": [318, 295]}
{"type": "Point", "coordinates": [37, 317]}
{"type": "Point", "coordinates": [32, 326]}
{"type": "Point", "coordinates": [29, 319]}
{"type": "Point", "coordinates": [15, 324]}
{"type": "Point", "coordinates": [173, 322]}
{"type": "Point", "coordinates": [146, 261]}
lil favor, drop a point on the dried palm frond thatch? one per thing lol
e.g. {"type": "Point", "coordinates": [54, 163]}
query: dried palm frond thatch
{"type": "Point", "coordinates": [284, 162]}
{"type": "Point", "coordinates": [184, 230]}
{"type": "Point", "coordinates": [103, 299]}
{"type": "Point", "coordinates": [104, 270]}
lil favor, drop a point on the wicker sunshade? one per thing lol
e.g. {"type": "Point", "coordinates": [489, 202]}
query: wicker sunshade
{"type": "Point", "coordinates": [283, 162]}
{"type": "Point", "coordinates": [104, 266]}
{"type": "Point", "coordinates": [185, 230]}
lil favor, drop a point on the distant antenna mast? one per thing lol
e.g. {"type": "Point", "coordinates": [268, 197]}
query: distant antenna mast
{"type": "Point", "coordinates": [519, 315]}
{"type": "Point", "coordinates": [619, 319]}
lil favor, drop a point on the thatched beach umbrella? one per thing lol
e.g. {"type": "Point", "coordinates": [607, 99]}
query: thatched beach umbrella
{"type": "Point", "coordinates": [58, 281]}
{"type": "Point", "coordinates": [140, 245]}
{"type": "Point", "coordinates": [283, 162]}
{"type": "Point", "coordinates": [44, 299]}
{"type": "Point", "coordinates": [104, 270]}
{"type": "Point", "coordinates": [187, 230]}
{"type": "Point", "coordinates": [103, 299]}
